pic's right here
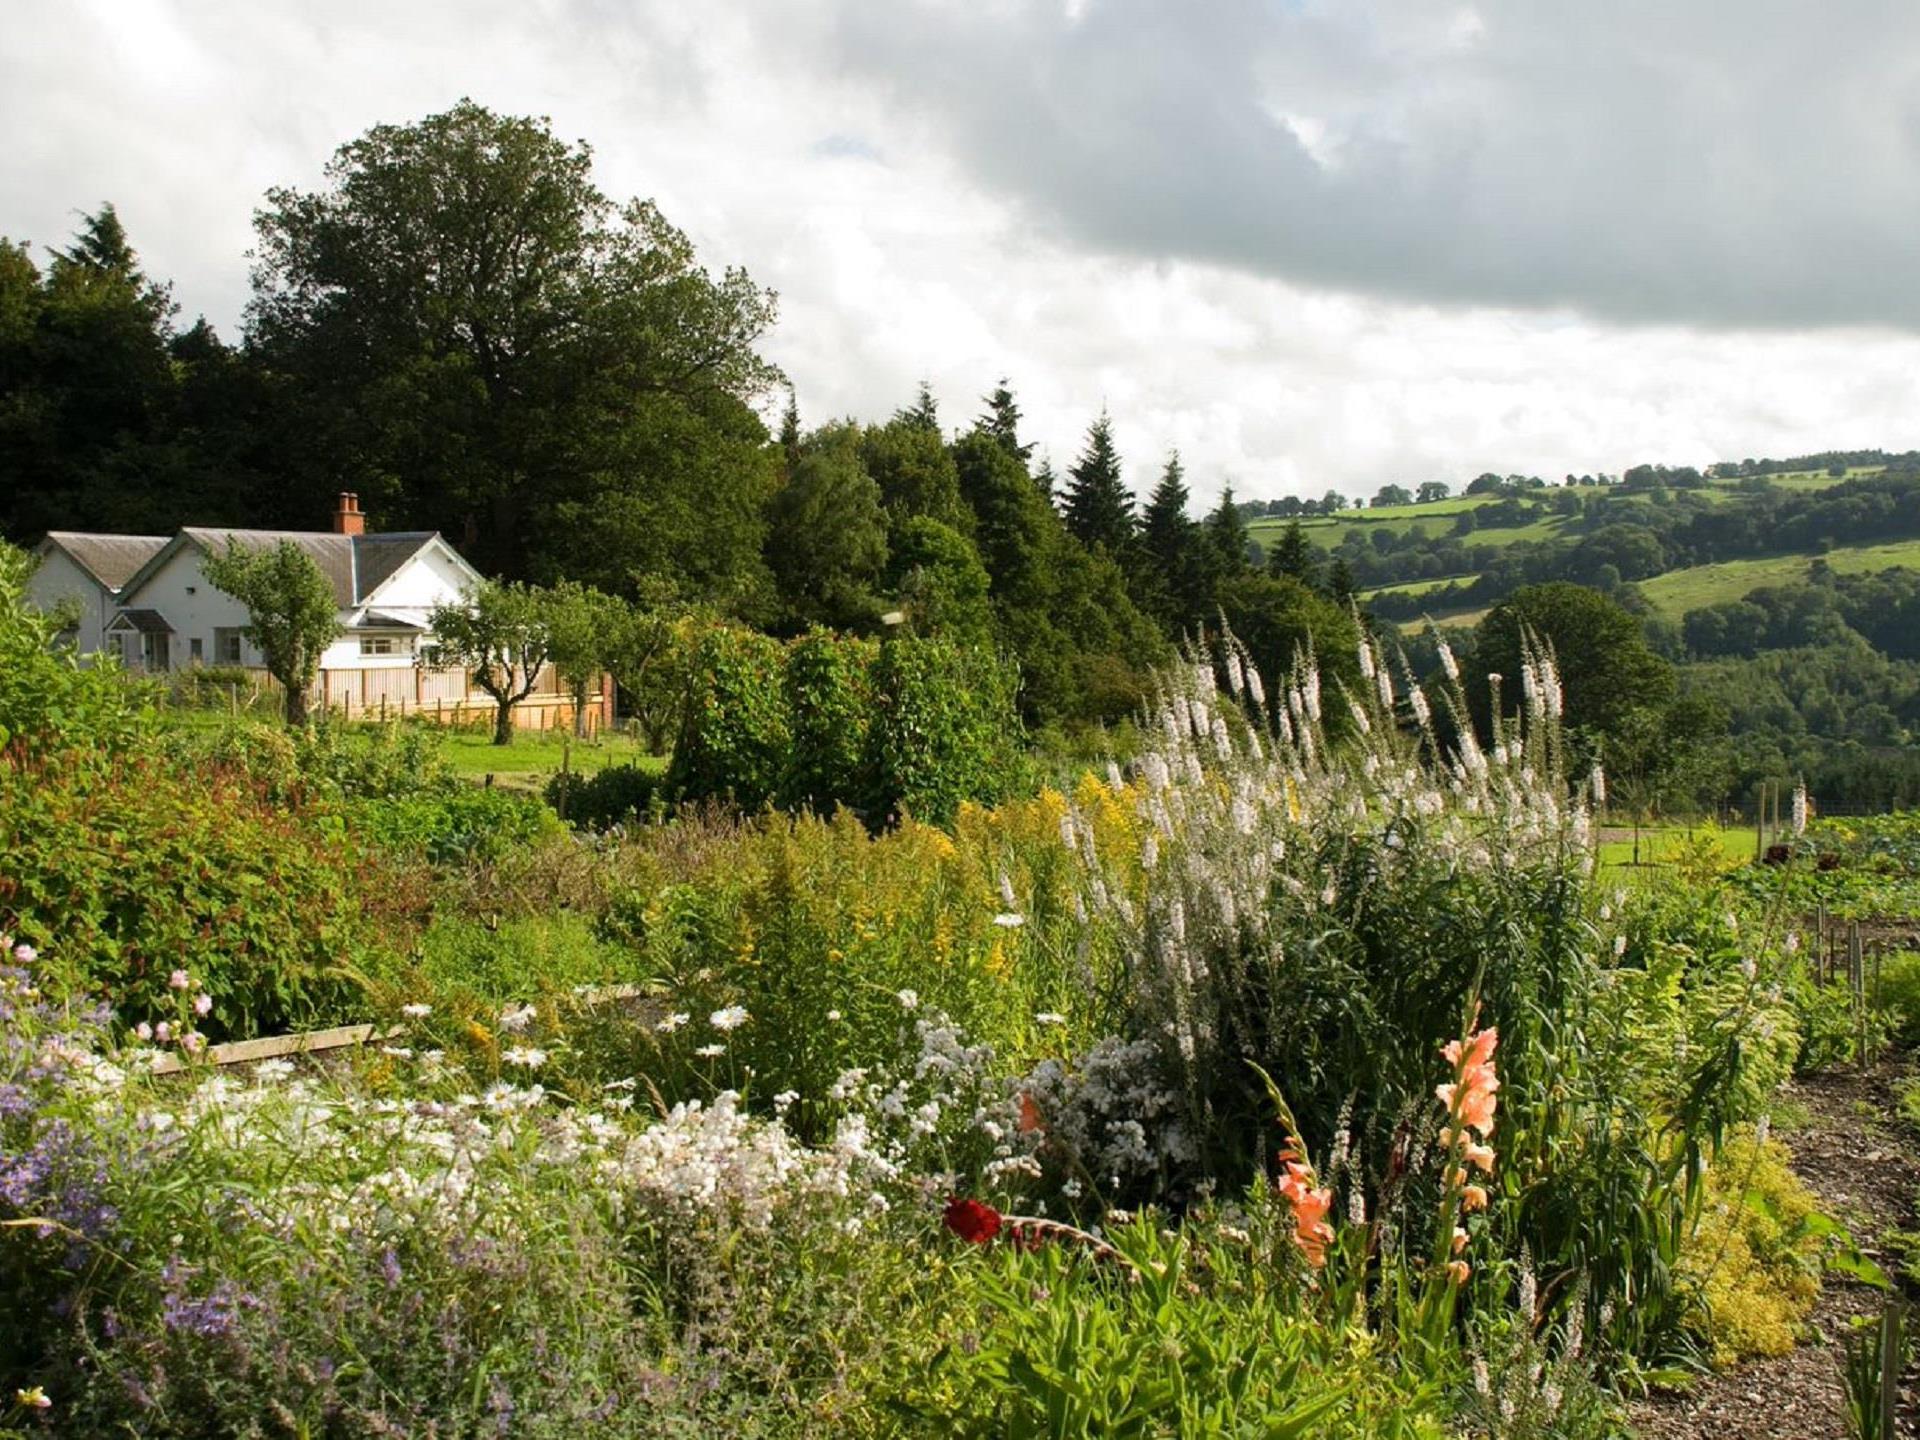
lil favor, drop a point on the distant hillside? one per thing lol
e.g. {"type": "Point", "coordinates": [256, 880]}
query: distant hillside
{"type": "Point", "coordinates": [1451, 558]}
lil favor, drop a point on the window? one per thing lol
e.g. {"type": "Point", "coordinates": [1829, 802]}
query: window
{"type": "Point", "coordinates": [226, 645]}
{"type": "Point", "coordinates": [379, 645]}
{"type": "Point", "coordinates": [197, 656]}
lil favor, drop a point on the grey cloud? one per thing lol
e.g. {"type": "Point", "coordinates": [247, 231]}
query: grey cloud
{"type": "Point", "coordinates": [1753, 164]}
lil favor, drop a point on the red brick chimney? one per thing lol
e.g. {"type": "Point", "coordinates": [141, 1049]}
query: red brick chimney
{"type": "Point", "coordinates": [348, 518]}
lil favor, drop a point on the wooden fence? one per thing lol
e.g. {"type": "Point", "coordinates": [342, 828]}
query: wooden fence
{"type": "Point", "coordinates": [448, 697]}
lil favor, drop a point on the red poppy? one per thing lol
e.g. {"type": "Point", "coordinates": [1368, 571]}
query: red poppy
{"type": "Point", "coordinates": [972, 1221]}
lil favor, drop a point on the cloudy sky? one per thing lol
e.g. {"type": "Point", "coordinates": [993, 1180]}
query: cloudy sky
{"type": "Point", "coordinates": [1311, 243]}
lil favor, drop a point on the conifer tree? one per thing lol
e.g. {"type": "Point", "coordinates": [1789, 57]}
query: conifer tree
{"type": "Point", "coordinates": [1099, 508]}
{"type": "Point", "coordinates": [790, 427]}
{"type": "Point", "coordinates": [923, 413]}
{"type": "Point", "coordinates": [1002, 421]}
{"type": "Point", "coordinates": [1045, 480]}
{"type": "Point", "coordinates": [1227, 538]}
{"type": "Point", "coordinates": [1340, 585]}
{"type": "Point", "coordinates": [1292, 555]}
{"type": "Point", "coordinates": [1167, 537]}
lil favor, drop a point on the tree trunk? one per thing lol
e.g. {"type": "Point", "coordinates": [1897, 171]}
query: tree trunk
{"type": "Point", "coordinates": [503, 722]}
{"type": "Point", "coordinates": [296, 705]}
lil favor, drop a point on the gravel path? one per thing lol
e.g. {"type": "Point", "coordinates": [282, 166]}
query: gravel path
{"type": "Point", "coordinates": [1865, 1168]}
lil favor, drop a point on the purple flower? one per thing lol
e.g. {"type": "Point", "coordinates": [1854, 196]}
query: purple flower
{"type": "Point", "coordinates": [390, 1267]}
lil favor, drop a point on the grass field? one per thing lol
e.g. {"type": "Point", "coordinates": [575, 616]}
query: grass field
{"type": "Point", "coordinates": [536, 754]}
{"type": "Point", "coordinates": [1679, 591]}
{"type": "Point", "coordinates": [1661, 845]}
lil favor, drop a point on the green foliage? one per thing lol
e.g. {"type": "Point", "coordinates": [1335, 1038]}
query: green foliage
{"type": "Point", "coordinates": [943, 729]}
{"type": "Point", "coordinates": [140, 869]}
{"type": "Point", "coordinates": [461, 306]}
{"type": "Point", "coordinates": [734, 734]}
{"type": "Point", "coordinates": [942, 588]}
{"type": "Point", "coordinates": [1171, 1336]}
{"type": "Point", "coordinates": [1875, 1357]}
{"type": "Point", "coordinates": [1099, 506]}
{"type": "Point", "coordinates": [911, 464]}
{"type": "Point", "coordinates": [292, 614]}
{"type": "Point", "coordinates": [502, 634]}
{"type": "Point", "coordinates": [451, 826]}
{"type": "Point", "coordinates": [830, 708]}
{"type": "Point", "coordinates": [615, 795]}
{"type": "Point", "coordinates": [1756, 1253]}
{"type": "Point", "coordinates": [827, 541]}
{"type": "Point", "coordinates": [586, 634]}
{"type": "Point", "coordinates": [1605, 664]}
{"type": "Point", "coordinates": [48, 700]}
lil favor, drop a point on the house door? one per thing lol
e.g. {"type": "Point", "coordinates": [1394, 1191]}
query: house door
{"type": "Point", "coordinates": [157, 653]}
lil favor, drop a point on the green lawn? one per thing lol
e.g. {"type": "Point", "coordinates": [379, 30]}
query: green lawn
{"type": "Point", "coordinates": [1678, 591]}
{"type": "Point", "coordinates": [1660, 845]}
{"type": "Point", "coordinates": [536, 754]}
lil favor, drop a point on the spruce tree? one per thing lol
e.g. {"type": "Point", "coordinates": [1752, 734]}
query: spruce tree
{"type": "Point", "coordinates": [1045, 480]}
{"type": "Point", "coordinates": [1002, 421]}
{"type": "Point", "coordinates": [1166, 536]}
{"type": "Point", "coordinates": [1292, 555]}
{"type": "Point", "coordinates": [790, 427]}
{"type": "Point", "coordinates": [1340, 585]}
{"type": "Point", "coordinates": [923, 413]}
{"type": "Point", "coordinates": [1099, 508]}
{"type": "Point", "coordinates": [1227, 538]}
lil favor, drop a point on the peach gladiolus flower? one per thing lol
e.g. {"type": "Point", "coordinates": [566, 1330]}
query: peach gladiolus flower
{"type": "Point", "coordinates": [1473, 1197]}
{"type": "Point", "coordinates": [1310, 1205]}
{"type": "Point", "coordinates": [1459, 1270]}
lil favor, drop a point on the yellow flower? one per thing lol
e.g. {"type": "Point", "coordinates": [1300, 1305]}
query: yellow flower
{"type": "Point", "coordinates": [32, 1399]}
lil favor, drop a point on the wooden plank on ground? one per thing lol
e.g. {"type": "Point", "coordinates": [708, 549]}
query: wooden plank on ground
{"type": "Point", "coordinates": [272, 1047]}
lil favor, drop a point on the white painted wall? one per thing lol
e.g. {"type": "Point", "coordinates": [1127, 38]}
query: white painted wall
{"type": "Point", "coordinates": [180, 592]}
{"type": "Point", "coordinates": [58, 579]}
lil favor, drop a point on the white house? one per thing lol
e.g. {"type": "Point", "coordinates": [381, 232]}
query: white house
{"type": "Point", "coordinates": [147, 600]}
{"type": "Point", "coordinates": [167, 616]}
{"type": "Point", "coordinates": [83, 576]}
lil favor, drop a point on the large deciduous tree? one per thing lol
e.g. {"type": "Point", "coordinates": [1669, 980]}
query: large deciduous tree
{"type": "Point", "coordinates": [1607, 669]}
{"type": "Point", "coordinates": [486, 343]}
{"type": "Point", "coordinates": [827, 541]}
{"type": "Point", "coordinates": [292, 615]}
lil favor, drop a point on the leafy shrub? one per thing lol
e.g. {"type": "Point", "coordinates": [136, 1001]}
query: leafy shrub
{"type": "Point", "coordinates": [140, 869]}
{"type": "Point", "coordinates": [615, 795]}
{"type": "Point", "coordinates": [467, 822]}
{"type": "Point", "coordinates": [734, 736]}
{"type": "Point", "coordinates": [48, 699]}
{"type": "Point", "coordinates": [468, 968]}
{"type": "Point", "coordinates": [1899, 997]}
{"type": "Point", "coordinates": [829, 693]}
{"type": "Point", "coordinates": [1756, 1253]}
{"type": "Point", "coordinates": [943, 732]}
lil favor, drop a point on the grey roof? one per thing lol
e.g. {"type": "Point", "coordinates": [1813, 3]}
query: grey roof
{"type": "Point", "coordinates": [355, 565]}
{"type": "Point", "coordinates": [147, 622]}
{"type": "Point", "coordinates": [112, 560]}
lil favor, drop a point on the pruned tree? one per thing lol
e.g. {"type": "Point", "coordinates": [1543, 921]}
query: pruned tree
{"type": "Point", "coordinates": [292, 615]}
{"type": "Point", "coordinates": [585, 630]}
{"type": "Point", "coordinates": [502, 634]}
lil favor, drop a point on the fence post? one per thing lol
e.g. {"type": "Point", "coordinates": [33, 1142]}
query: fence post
{"type": "Point", "coordinates": [1856, 984]}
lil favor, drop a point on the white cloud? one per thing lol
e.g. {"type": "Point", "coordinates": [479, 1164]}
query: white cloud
{"type": "Point", "coordinates": [903, 175]}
